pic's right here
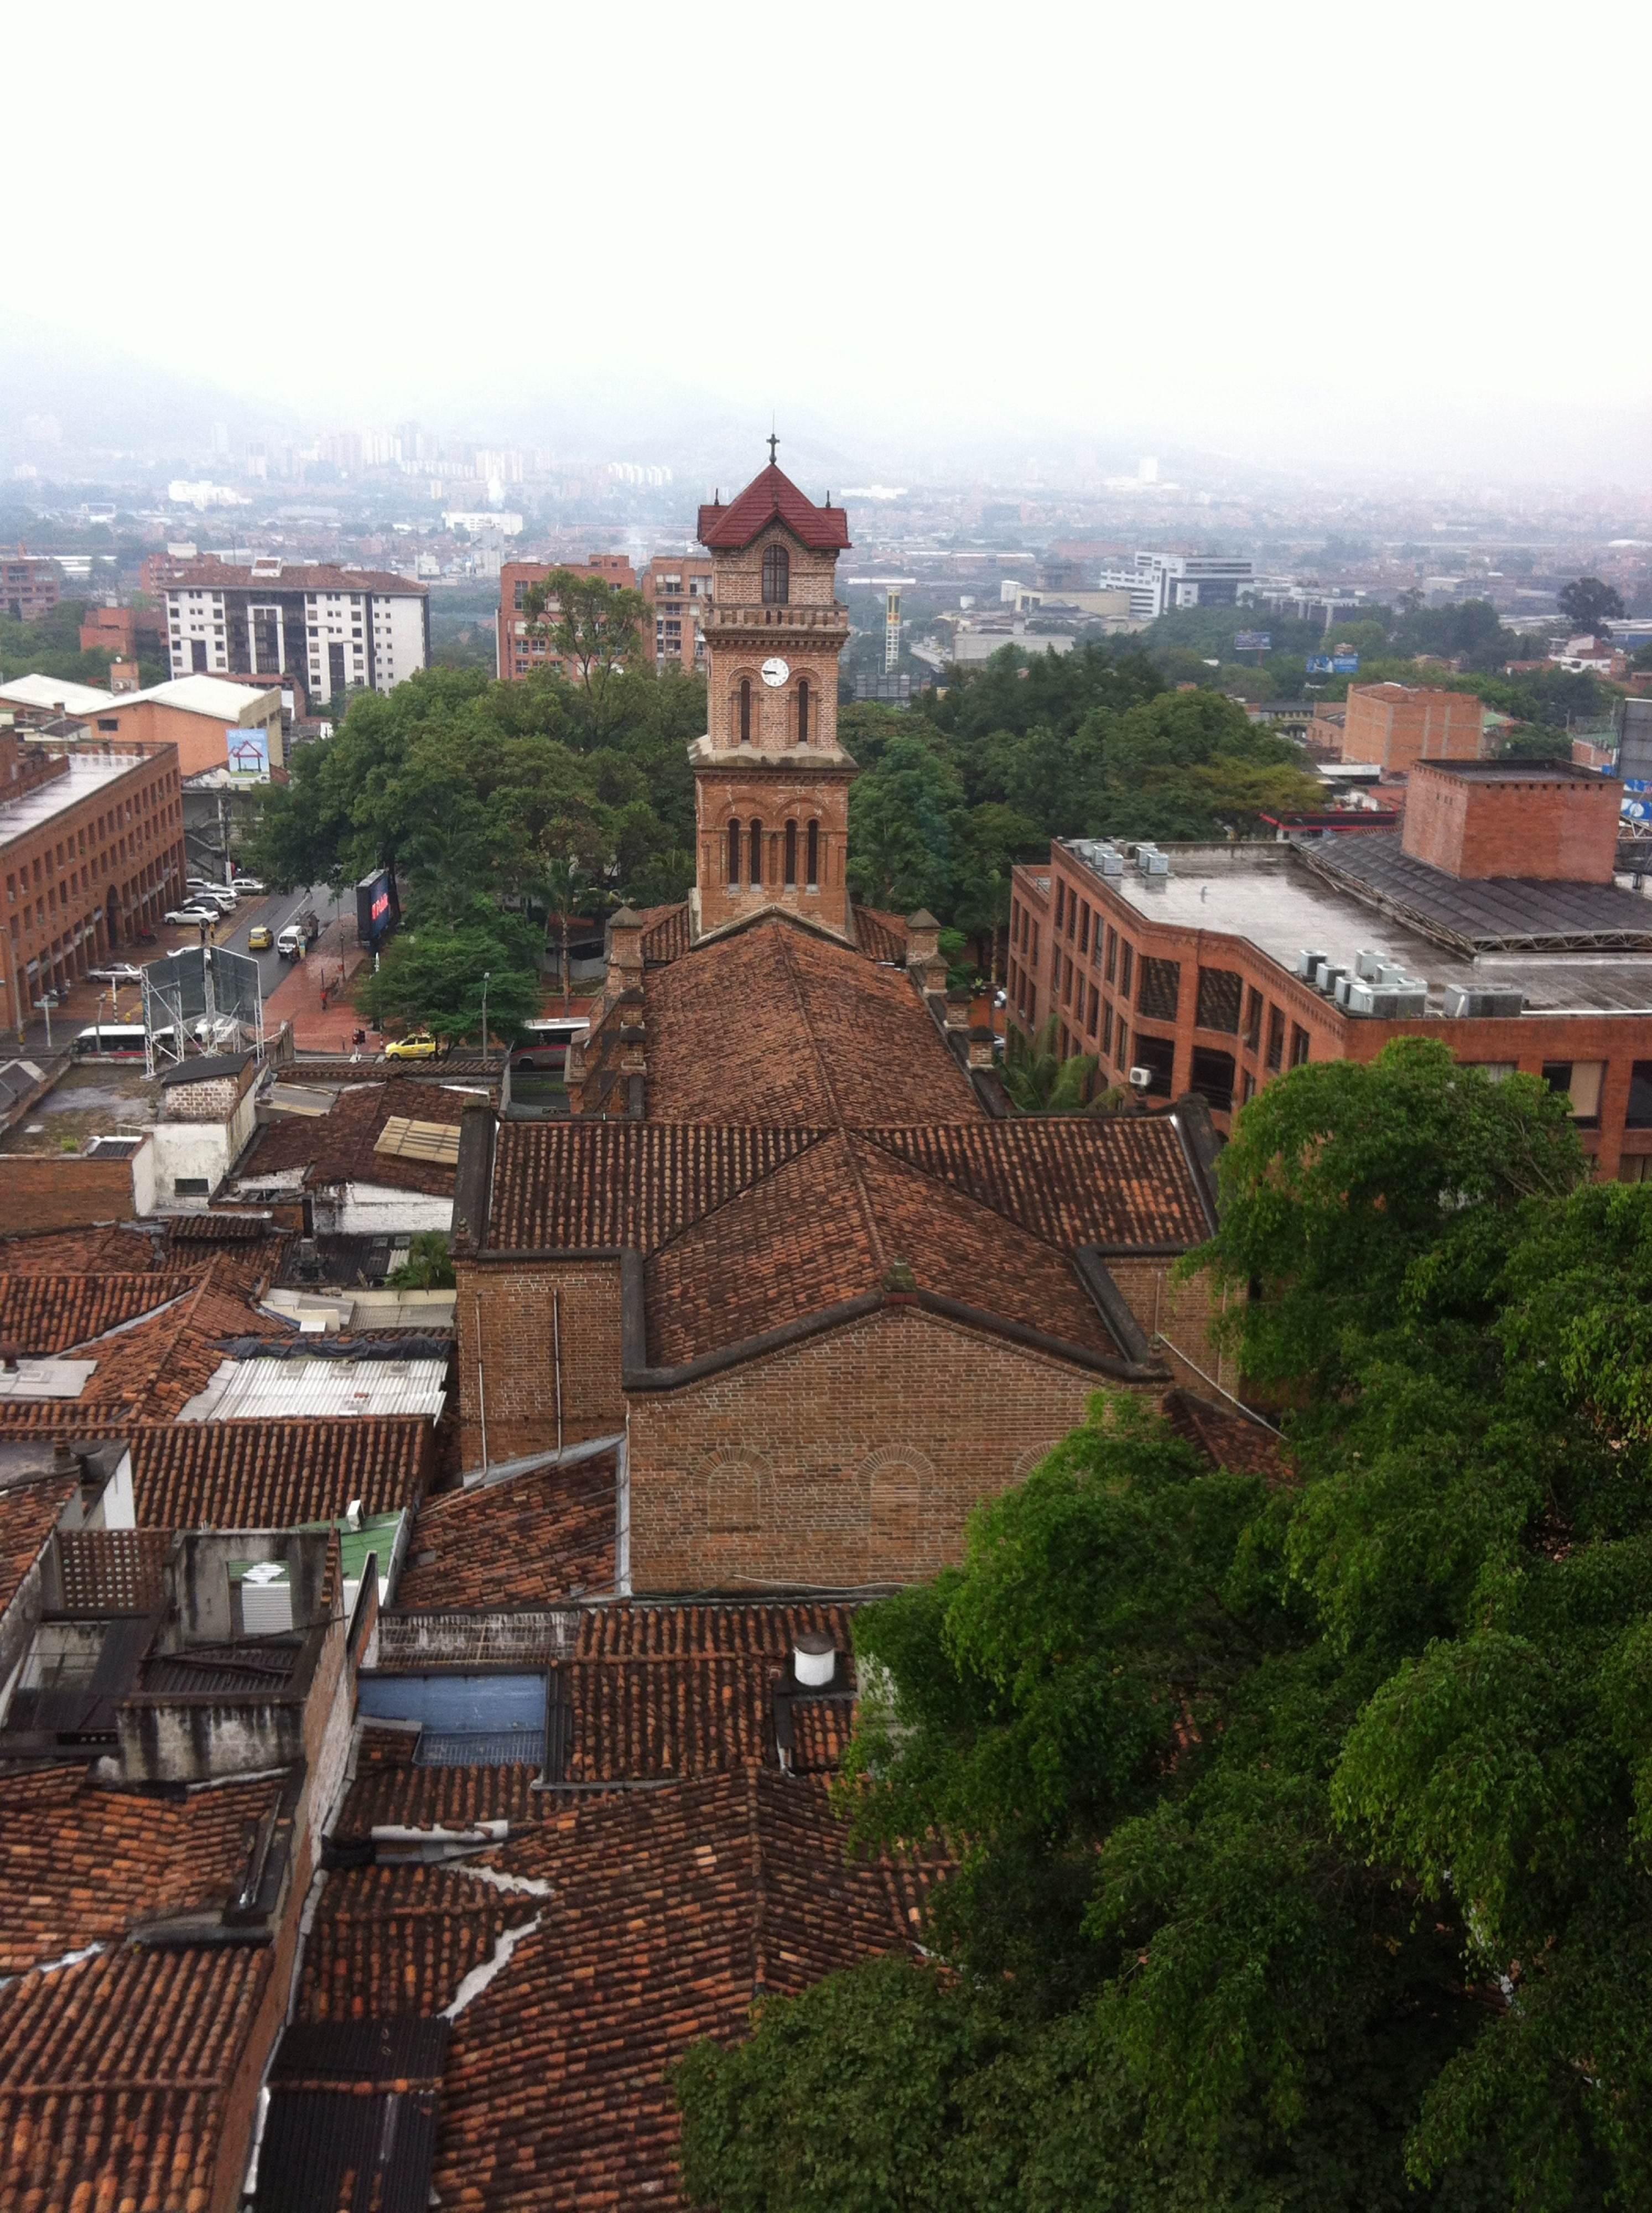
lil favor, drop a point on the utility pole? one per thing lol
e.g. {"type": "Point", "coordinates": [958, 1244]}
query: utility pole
{"type": "Point", "coordinates": [486, 975]}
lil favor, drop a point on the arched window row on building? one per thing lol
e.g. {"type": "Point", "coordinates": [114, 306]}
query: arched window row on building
{"type": "Point", "coordinates": [743, 712]}
{"type": "Point", "coordinates": [746, 842]}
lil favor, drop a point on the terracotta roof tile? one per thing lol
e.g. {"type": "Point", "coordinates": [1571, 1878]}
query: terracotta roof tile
{"type": "Point", "coordinates": [826, 1228]}
{"type": "Point", "coordinates": [772, 494]}
{"type": "Point", "coordinates": [1121, 1181]}
{"type": "Point", "coordinates": [28, 1515]}
{"type": "Point", "coordinates": [670, 1912]}
{"type": "Point", "coordinates": [44, 1314]}
{"type": "Point", "coordinates": [557, 1185]}
{"type": "Point", "coordinates": [80, 1865]}
{"type": "Point", "coordinates": [276, 1474]}
{"type": "Point", "coordinates": [881, 936]}
{"type": "Point", "coordinates": [390, 1791]}
{"type": "Point", "coordinates": [1228, 1439]}
{"type": "Point", "coordinates": [389, 1940]}
{"type": "Point", "coordinates": [114, 2075]}
{"type": "Point", "coordinates": [295, 577]}
{"type": "Point", "coordinates": [337, 1147]}
{"type": "Point", "coordinates": [526, 1540]}
{"type": "Point", "coordinates": [123, 1250]}
{"type": "Point", "coordinates": [671, 1691]}
{"type": "Point", "coordinates": [776, 1024]}
{"type": "Point", "coordinates": [148, 1367]}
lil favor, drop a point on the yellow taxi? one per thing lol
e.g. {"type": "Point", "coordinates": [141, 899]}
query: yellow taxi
{"type": "Point", "coordinates": [260, 937]}
{"type": "Point", "coordinates": [419, 1045]}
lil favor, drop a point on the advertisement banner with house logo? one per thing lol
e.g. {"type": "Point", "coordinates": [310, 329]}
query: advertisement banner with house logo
{"type": "Point", "coordinates": [249, 754]}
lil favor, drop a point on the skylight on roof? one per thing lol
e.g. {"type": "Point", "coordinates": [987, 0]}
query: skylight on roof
{"type": "Point", "coordinates": [419, 1141]}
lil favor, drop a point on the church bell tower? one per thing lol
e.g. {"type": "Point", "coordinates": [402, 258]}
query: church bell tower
{"type": "Point", "coordinates": [771, 780]}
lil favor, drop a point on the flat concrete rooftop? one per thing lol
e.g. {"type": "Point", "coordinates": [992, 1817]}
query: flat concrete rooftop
{"type": "Point", "coordinates": [1268, 896]}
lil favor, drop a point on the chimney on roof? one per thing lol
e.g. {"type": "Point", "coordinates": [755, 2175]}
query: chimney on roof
{"type": "Point", "coordinates": [814, 1659]}
{"type": "Point", "coordinates": [10, 1354]}
{"type": "Point", "coordinates": [923, 937]}
{"type": "Point", "coordinates": [958, 1007]}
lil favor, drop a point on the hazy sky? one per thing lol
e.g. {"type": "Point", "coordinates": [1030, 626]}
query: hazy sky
{"type": "Point", "coordinates": [1279, 229]}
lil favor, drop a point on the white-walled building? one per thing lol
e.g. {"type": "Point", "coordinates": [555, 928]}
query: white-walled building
{"type": "Point", "coordinates": [336, 629]}
{"type": "Point", "coordinates": [1160, 582]}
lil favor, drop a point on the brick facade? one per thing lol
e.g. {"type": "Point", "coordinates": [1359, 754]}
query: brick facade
{"type": "Point", "coordinates": [1399, 724]}
{"type": "Point", "coordinates": [518, 652]}
{"type": "Point", "coordinates": [513, 1313]}
{"type": "Point", "coordinates": [1537, 827]}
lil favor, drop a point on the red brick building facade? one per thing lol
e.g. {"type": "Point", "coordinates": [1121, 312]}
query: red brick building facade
{"type": "Point", "coordinates": [1497, 903]}
{"type": "Point", "coordinates": [91, 848]}
{"type": "Point", "coordinates": [521, 649]}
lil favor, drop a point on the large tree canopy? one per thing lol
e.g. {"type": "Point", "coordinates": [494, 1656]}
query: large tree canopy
{"type": "Point", "coordinates": [1303, 1829]}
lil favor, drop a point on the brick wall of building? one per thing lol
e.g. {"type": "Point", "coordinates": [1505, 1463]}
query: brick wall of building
{"type": "Point", "coordinates": [849, 1458]}
{"type": "Point", "coordinates": [1559, 830]}
{"type": "Point", "coordinates": [1398, 724]}
{"type": "Point", "coordinates": [1080, 978]}
{"type": "Point", "coordinates": [513, 1312]}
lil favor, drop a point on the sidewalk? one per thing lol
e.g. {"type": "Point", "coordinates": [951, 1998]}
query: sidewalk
{"type": "Point", "coordinates": [327, 970]}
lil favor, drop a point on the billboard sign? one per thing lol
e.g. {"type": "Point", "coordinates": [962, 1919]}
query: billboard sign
{"type": "Point", "coordinates": [1318, 664]}
{"type": "Point", "coordinates": [1345, 664]}
{"type": "Point", "coordinates": [1634, 810]}
{"type": "Point", "coordinates": [249, 754]}
{"type": "Point", "coordinates": [375, 908]}
{"type": "Point", "coordinates": [1252, 641]}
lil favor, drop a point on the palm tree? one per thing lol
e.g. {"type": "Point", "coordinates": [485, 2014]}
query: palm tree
{"type": "Point", "coordinates": [1040, 1081]}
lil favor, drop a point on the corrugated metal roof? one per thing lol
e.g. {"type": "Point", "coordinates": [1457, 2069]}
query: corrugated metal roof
{"type": "Point", "coordinates": [270, 1390]}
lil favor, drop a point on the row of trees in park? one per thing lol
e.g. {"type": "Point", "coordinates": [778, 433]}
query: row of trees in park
{"type": "Point", "coordinates": [572, 795]}
{"type": "Point", "coordinates": [1302, 1827]}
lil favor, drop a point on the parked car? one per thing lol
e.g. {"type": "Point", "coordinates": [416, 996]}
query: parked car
{"type": "Point", "coordinates": [250, 887]}
{"type": "Point", "coordinates": [260, 937]}
{"type": "Point", "coordinates": [419, 1045]}
{"type": "Point", "coordinates": [190, 917]}
{"type": "Point", "coordinates": [218, 896]}
{"type": "Point", "coordinates": [118, 972]}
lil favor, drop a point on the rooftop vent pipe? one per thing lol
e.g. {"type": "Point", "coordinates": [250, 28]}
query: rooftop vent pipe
{"type": "Point", "coordinates": [814, 1659]}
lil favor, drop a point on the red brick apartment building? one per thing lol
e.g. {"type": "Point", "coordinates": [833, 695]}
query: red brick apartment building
{"type": "Point", "coordinates": [519, 654]}
{"type": "Point", "coordinates": [1492, 920]}
{"type": "Point", "coordinates": [91, 847]}
{"type": "Point", "coordinates": [29, 586]}
{"type": "Point", "coordinates": [679, 589]}
{"type": "Point", "coordinates": [1397, 725]}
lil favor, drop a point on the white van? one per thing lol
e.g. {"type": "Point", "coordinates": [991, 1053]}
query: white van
{"type": "Point", "coordinates": [289, 942]}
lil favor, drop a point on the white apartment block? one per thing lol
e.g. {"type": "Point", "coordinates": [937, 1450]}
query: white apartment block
{"type": "Point", "coordinates": [337, 629]}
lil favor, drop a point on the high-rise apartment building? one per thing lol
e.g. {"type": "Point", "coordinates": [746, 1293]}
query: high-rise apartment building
{"type": "Point", "coordinates": [29, 586]}
{"type": "Point", "coordinates": [337, 629]}
{"type": "Point", "coordinates": [678, 588]}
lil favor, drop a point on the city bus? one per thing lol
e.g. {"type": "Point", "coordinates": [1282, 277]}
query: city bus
{"type": "Point", "coordinates": [545, 1041]}
{"type": "Point", "coordinates": [115, 1041]}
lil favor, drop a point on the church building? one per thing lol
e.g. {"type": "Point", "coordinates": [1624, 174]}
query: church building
{"type": "Point", "coordinates": [793, 1257]}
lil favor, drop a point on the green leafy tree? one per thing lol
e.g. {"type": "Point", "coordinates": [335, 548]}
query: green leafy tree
{"type": "Point", "coordinates": [1590, 605]}
{"type": "Point", "coordinates": [428, 1265]}
{"type": "Point", "coordinates": [432, 975]}
{"type": "Point", "coordinates": [1303, 1829]}
{"type": "Point", "coordinates": [1039, 1080]}
{"type": "Point", "coordinates": [905, 828]}
{"type": "Point", "coordinates": [596, 627]}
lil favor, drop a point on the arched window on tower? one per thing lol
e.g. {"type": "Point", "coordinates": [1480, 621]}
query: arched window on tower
{"type": "Point", "coordinates": [777, 576]}
{"type": "Point", "coordinates": [734, 853]}
{"type": "Point", "coordinates": [745, 710]}
{"type": "Point", "coordinates": [791, 856]}
{"type": "Point", "coordinates": [802, 712]}
{"type": "Point", "coordinates": [814, 856]}
{"type": "Point", "coordinates": [756, 851]}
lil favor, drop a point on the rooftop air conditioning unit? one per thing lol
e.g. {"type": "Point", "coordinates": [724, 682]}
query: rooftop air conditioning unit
{"type": "Point", "coordinates": [1386, 1003]}
{"type": "Point", "coordinates": [1463, 1005]}
{"type": "Point", "coordinates": [1140, 1078]}
{"type": "Point", "coordinates": [1345, 987]}
{"type": "Point", "coordinates": [1368, 963]}
{"type": "Point", "coordinates": [1327, 976]}
{"type": "Point", "coordinates": [1151, 861]}
{"type": "Point", "coordinates": [1109, 859]}
{"type": "Point", "coordinates": [1307, 962]}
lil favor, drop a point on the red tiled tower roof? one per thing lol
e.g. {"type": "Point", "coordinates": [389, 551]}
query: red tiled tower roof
{"type": "Point", "coordinates": [772, 496]}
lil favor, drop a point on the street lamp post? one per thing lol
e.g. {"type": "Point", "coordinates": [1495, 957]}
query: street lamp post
{"type": "Point", "coordinates": [44, 1006]}
{"type": "Point", "coordinates": [486, 974]}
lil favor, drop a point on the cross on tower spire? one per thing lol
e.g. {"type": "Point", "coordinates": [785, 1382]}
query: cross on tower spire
{"type": "Point", "coordinates": [773, 442]}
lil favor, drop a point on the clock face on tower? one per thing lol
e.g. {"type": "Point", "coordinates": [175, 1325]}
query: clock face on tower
{"type": "Point", "coordinates": [775, 672]}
